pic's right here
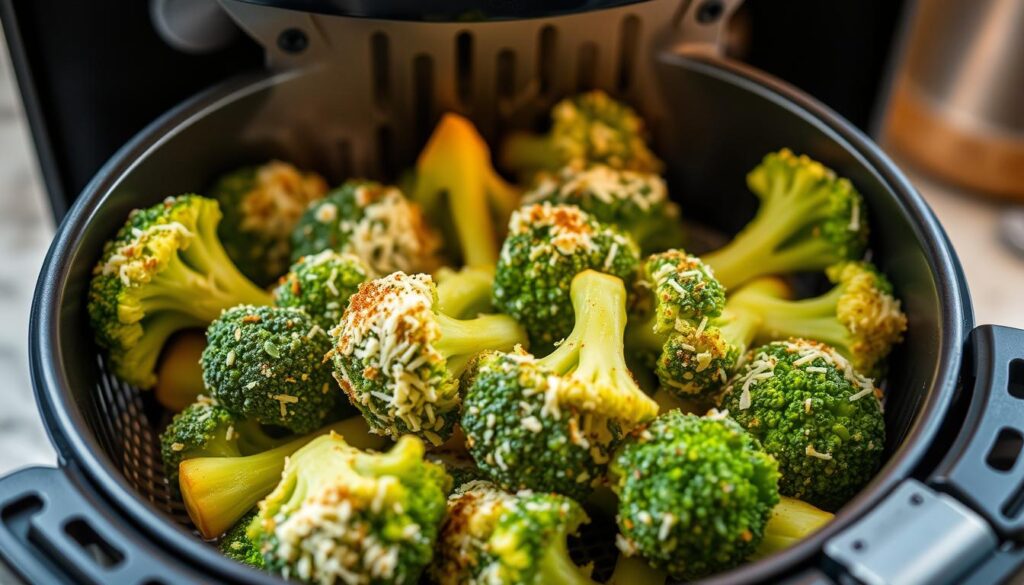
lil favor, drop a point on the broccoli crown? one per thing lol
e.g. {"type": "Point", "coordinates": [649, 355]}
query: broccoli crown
{"type": "Point", "coordinates": [637, 203]}
{"type": "Point", "coordinates": [696, 361]}
{"type": "Point", "coordinates": [321, 285]}
{"type": "Point", "coordinates": [374, 222]}
{"type": "Point", "coordinates": [815, 414]}
{"type": "Point", "coordinates": [235, 544]}
{"type": "Point", "coordinates": [267, 364]}
{"type": "Point", "coordinates": [596, 128]}
{"type": "Point", "coordinates": [546, 247]}
{"type": "Point", "coordinates": [458, 464]}
{"type": "Point", "coordinates": [524, 431]}
{"type": "Point", "coordinates": [203, 429]}
{"type": "Point", "coordinates": [493, 537]}
{"type": "Point", "coordinates": [339, 512]}
{"type": "Point", "coordinates": [261, 206]}
{"type": "Point", "coordinates": [695, 494]}
{"type": "Point", "coordinates": [684, 289]}
{"type": "Point", "coordinates": [164, 271]}
{"type": "Point", "coordinates": [388, 362]}
{"type": "Point", "coordinates": [809, 219]}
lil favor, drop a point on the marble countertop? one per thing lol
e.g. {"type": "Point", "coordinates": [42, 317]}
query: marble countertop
{"type": "Point", "coordinates": [994, 273]}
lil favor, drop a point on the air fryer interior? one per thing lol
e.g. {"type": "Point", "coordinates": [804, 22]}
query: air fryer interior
{"type": "Point", "coordinates": [716, 128]}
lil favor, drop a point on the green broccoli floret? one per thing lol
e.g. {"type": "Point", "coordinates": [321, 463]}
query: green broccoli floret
{"type": "Point", "coordinates": [206, 429]}
{"type": "Point", "coordinates": [546, 247]}
{"type": "Point", "coordinates": [815, 414]}
{"type": "Point", "coordinates": [809, 219]}
{"type": "Point", "coordinates": [636, 203]}
{"type": "Point", "coordinates": [235, 544]}
{"type": "Point", "coordinates": [590, 127]}
{"type": "Point", "coordinates": [218, 490]}
{"type": "Point", "coordinates": [493, 537]}
{"type": "Point", "coordinates": [267, 364]}
{"type": "Point", "coordinates": [460, 190]}
{"type": "Point", "coordinates": [261, 206]}
{"type": "Point", "coordinates": [321, 285]}
{"type": "Point", "coordinates": [374, 222]}
{"type": "Point", "coordinates": [458, 464]}
{"type": "Point", "coordinates": [340, 513]}
{"type": "Point", "coordinates": [695, 494]}
{"type": "Point", "coordinates": [399, 359]}
{"type": "Point", "coordinates": [791, 521]}
{"type": "Point", "coordinates": [859, 316]}
{"type": "Point", "coordinates": [551, 424]}
{"type": "Point", "coordinates": [164, 271]}
{"type": "Point", "coordinates": [690, 336]}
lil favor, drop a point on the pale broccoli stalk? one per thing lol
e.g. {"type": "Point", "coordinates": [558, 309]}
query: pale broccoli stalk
{"type": "Point", "coordinates": [217, 491]}
{"type": "Point", "coordinates": [791, 521]}
{"type": "Point", "coordinates": [465, 293]}
{"type": "Point", "coordinates": [457, 186]}
{"type": "Point", "coordinates": [809, 219]}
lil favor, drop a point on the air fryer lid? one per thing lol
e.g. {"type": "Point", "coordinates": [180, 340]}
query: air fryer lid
{"type": "Point", "coordinates": [719, 121]}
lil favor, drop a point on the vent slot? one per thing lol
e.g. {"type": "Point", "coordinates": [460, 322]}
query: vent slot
{"type": "Point", "coordinates": [101, 551]}
{"type": "Point", "coordinates": [1005, 450]}
{"type": "Point", "coordinates": [586, 67]}
{"type": "Point", "coordinates": [380, 57]}
{"type": "Point", "coordinates": [1016, 384]}
{"type": "Point", "coordinates": [423, 96]}
{"type": "Point", "coordinates": [629, 41]}
{"type": "Point", "coordinates": [547, 46]}
{"type": "Point", "coordinates": [506, 74]}
{"type": "Point", "coordinates": [464, 67]}
{"type": "Point", "coordinates": [386, 155]}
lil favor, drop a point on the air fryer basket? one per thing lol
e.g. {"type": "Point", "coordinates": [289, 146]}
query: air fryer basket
{"type": "Point", "coordinates": [714, 121]}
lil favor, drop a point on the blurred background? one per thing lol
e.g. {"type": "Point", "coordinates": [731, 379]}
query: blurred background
{"type": "Point", "coordinates": [940, 83]}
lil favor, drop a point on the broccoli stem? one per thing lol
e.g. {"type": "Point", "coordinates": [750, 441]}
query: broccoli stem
{"type": "Point", "coordinates": [791, 521]}
{"type": "Point", "coordinates": [465, 293]}
{"type": "Point", "coordinates": [526, 153]}
{"type": "Point", "coordinates": [142, 355]}
{"type": "Point", "coordinates": [755, 251]}
{"type": "Point", "coordinates": [180, 288]}
{"type": "Point", "coordinates": [180, 378]}
{"type": "Point", "coordinates": [397, 460]}
{"type": "Point", "coordinates": [208, 256]}
{"type": "Point", "coordinates": [556, 566]}
{"type": "Point", "coordinates": [635, 571]}
{"type": "Point", "coordinates": [813, 318]}
{"type": "Point", "coordinates": [217, 491]}
{"type": "Point", "coordinates": [461, 339]}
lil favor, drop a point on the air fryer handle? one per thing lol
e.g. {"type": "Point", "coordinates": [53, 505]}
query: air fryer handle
{"type": "Point", "coordinates": [53, 529]}
{"type": "Point", "coordinates": [984, 467]}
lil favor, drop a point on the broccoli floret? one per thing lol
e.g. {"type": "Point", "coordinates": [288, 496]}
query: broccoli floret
{"type": "Point", "coordinates": [791, 522]}
{"type": "Point", "coordinates": [217, 491]}
{"type": "Point", "coordinates": [459, 465]}
{"type": "Point", "coordinates": [808, 220]}
{"type": "Point", "coordinates": [551, 424]}
{"type": "Point", "coordinates": [206, 429]}
{"type": "Point", "coordinates": [459, 189]}
{"type": "Point", "coordinates": [546, 247]}
{"type": "Point", "coordinates": [321, 285]}
{"type": "Point", "coordinates": [164, 271]}
{"type": "Point", "coordinates": [261, 206]}
{"type": "Point", "coordinates": [695, 494]}
{"type": "Point", "coordinates": [690, 337]}
{"type": "Point", "coordinates": [374, 222]}
{"type": "Point", "coordinates": [267, 364]}
{"type": "Point", "coordinates": [636, 203]}
{"type": "Point", "coordinates": [399, 359]}
{"type": "Point", "coordinates": [235, 544]}
{"type": "Point", "coordinates": [815, 414]}
{"type": "Point", "coordinates": [591, 128]}
{"type": "Point", "coordinates": [339, 512]}
{"type": "Point", "coordinates": [859, 316]}
{"type": "Point", "coordinates": [493, 537]}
